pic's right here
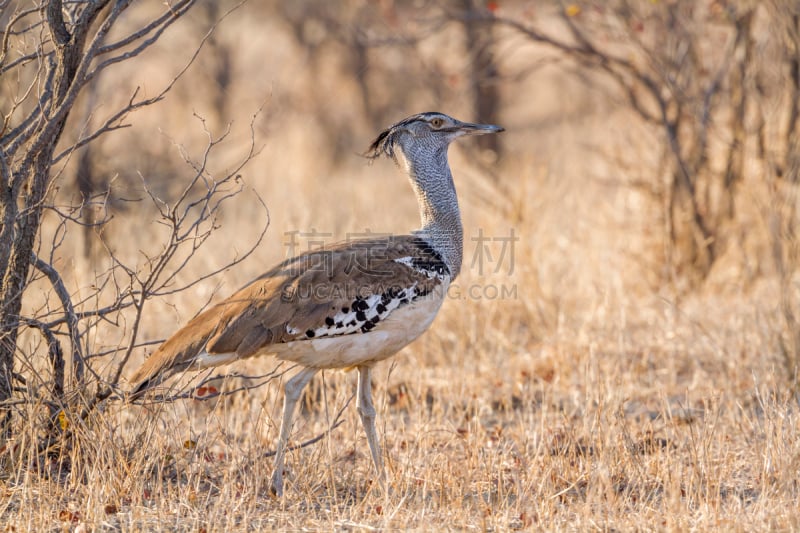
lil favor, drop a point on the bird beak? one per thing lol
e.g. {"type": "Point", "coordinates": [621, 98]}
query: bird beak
{"type": "Point", "coordinates": [479, 129]}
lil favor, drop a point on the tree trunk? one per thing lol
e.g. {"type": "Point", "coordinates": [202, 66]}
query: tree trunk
{"type": "Point", "coordinates": [28, 180]}
{"type": "Point", "coordinates": [483, 73]}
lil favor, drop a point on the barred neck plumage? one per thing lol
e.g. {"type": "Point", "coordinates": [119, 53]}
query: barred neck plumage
{"type": "Point", "coordinates": [419, 143]}
{"type": "Point", "coordinates": [440, 218]}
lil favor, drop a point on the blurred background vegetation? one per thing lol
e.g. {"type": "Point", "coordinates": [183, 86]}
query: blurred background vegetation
{"type": "Point", "coordinates": [650, 169]}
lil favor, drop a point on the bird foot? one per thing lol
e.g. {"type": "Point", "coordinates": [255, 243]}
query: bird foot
{"type": "Point", "coordinates": [276, 485]}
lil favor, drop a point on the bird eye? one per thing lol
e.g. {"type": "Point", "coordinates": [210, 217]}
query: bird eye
{"type": "Point", "coordinates": [437, 122]}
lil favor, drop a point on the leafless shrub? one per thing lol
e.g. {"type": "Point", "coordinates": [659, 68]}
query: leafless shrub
{"type": "Point", "coordinates": [724, 94]}
{"type": "Point", "coordinates": [53, 52]}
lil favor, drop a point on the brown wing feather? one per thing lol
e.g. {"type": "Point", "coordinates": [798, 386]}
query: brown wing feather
{"type": "Point", "coordinates": [292, 298]}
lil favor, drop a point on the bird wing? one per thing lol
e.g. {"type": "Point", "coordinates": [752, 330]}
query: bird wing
{"type": "Point", "coordinates": [347, 288]}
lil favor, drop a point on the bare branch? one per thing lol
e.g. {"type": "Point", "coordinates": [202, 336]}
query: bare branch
{"type": "Point", "coordinates": [70, 318]}
{"type": "Point", "coordinates": [114, 122]}
{"type": "Point", "coordinates": [55, 22]}
{"type": "Point", "coordinates": [8, 33]}
{"type": "Point", "coordinates": [251, 382]}
{"type": "Point", "coordinates": [160, 25]}
{"type": "Point", "coordinates": [56, 355]}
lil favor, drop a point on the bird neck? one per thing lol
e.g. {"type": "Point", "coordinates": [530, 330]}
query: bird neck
{"type": "Point", "coordinates": [432, 181]}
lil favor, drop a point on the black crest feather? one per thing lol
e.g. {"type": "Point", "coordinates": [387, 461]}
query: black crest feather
{"type": "Point", "coordinates": [384, 143]}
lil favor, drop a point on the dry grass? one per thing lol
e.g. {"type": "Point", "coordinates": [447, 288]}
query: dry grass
{"type": "Point", "coordinates": [593, 395]}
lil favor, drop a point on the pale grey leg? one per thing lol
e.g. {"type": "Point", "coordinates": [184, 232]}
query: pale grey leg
{"type": "Point", "coordinates": [367, 412]}
{"type": "Point", "coordinates": [291, 393]}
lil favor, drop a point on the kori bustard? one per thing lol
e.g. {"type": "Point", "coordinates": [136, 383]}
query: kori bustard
{"type": "Point", "coordinates": [350, 305]}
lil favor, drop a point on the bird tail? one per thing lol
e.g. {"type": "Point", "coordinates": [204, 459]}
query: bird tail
{"type": "Point", "coordinates": [147, 376]}
{"type": "Point", "coordinates": [166, 361]}
{"type": "Point", "coordinates": [176, 354]}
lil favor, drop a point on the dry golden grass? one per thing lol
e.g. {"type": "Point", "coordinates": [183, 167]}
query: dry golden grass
{"type": "Point", "coordinates": [592, 394]}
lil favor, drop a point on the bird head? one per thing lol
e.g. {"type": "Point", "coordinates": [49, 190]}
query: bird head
{"type": "Point", "coordinates": [426, 131]}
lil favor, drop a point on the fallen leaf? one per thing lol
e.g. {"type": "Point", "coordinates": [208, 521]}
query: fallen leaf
{"type": "Point", "coordinates": [62, 420]}
{"type": "Point", "coordinates": [69, 516]}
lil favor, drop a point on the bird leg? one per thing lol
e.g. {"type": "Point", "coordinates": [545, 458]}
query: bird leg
{"type": "Point", "coordinates": [367, 412]}
{"type": "Point", "coordinates": [291, 393]}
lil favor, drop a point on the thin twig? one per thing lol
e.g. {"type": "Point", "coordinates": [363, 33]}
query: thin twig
{"type": "Point", "coordinates": [337, 421]}
{"type": "Point", "coordinates": [275, 373]}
